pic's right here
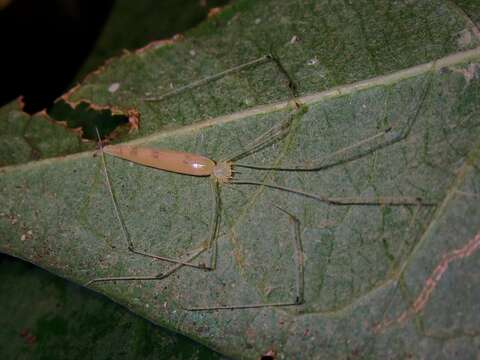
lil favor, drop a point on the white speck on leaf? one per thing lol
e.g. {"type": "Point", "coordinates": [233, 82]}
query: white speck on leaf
{"type": "Point", "coordinates": [27, 236]}
{"type": "Point", "coordinates": [114, 87]}
{"type": "Point", "coordinates": [294, 39]}
{"type": "Point", "coordinates": [313, 61]}
{"type": "Point", "coordinates": [258, 21]}
{"type": "Point", "coordinates": [12, 218]}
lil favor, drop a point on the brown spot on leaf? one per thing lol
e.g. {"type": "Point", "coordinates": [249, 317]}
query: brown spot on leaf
{"type": "Point", "coordinates": [12, 219]}
{"type": "Point", "coordinates": [133, 119]}
{"type": "Point", "coordinates": [160, 43]}
{"type": "Point", "coordinates": [431, 283]}
{"type": "Point", "coordinates": [269, 355]}
{"type": "Point", "coordinates": [214, 12]}
{"type": "Point", "coordinates": [21, 103]}
{"type": "Point", "coordinates": [251, 334]}
{"type": "Point", "coordinates": [469, 73]}
{"type": "Point", "coordinates": [29, 338]}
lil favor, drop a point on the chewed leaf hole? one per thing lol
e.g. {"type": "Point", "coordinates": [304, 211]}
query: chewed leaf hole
{"type": "Point", "coordinates": [86, 118]}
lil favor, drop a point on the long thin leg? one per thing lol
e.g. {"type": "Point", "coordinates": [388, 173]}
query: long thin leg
{"type": "Point", "coordinates": [208, 79]}
{"type": "Point", "coordinates": [280, 131]}
{"type": "Point", "coordinates": [356, 151]}
{"type": "Point", "coordinates": [344, 155]}
{"type": "Point", "coordinates": [211, 243]}
{"type": "Point", "coordinates": [261, 60]}
{"type": "Point", "coordinates": [300, 276]}
{"type": "Point", "coordinates": [268, 138]}
{"type": "Point", "coordinates": [368, 201]}
{"type": "Point", "coordinates": [214, 224]}
{"type": "Point", "coordinates": [148, 277]}
{"type": "Point", "coordinates": [292, 85]}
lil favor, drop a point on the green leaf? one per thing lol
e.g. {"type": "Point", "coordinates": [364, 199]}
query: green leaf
{"type": "Point", "coordinates": [159, 20]}
{"type": "Point", "coordinates": [378, 279]}
{"type": "Point", "coordinates": [25, 137]}
{"type": "Point", "coordinates": [46, 317]}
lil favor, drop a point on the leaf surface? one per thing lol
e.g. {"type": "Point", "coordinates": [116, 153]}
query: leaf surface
{"type": "Point", "coordinates": [377, 278]}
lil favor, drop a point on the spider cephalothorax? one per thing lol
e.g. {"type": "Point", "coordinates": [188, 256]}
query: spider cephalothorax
{"type": "Point", "coordinates": [222, 171]}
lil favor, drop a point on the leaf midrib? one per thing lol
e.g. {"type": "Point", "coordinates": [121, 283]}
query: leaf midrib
{"type": "Point", "coordinates": [245, 115]}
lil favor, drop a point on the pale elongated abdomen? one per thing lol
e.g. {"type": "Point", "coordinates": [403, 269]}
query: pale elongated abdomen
{"type": "Point", "coordinates": [168, 160]}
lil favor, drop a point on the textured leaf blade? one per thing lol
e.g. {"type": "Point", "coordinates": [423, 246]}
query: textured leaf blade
{"type": "Point", "coordinates": [356, 257]}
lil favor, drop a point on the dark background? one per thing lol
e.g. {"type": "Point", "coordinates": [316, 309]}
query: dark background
{"type": "Point", "coordinates": [44, 44]}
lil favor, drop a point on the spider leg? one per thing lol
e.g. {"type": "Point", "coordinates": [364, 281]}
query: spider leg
{"type": "Point", "coordinates": [210, 243]}
{"type": "Point", "coordinates": [300, 278]}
